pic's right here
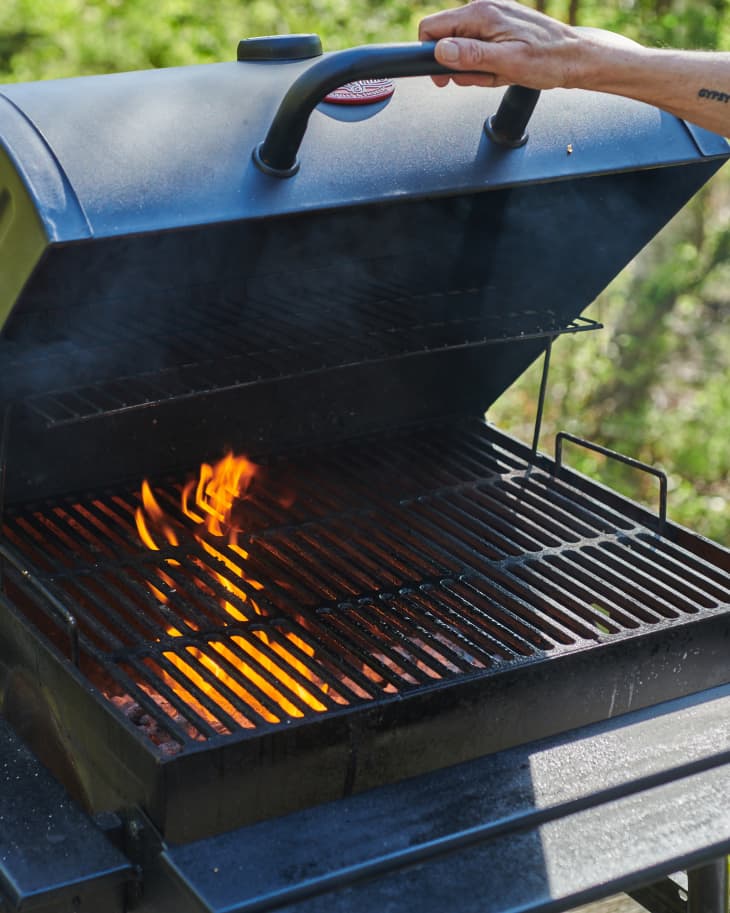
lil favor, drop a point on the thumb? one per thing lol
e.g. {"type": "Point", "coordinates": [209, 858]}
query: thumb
{"type": "Point", "coordinates": [464, 54]}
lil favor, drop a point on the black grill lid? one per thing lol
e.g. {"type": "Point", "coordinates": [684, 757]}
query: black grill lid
{"type": "Point", "coordinates": [96, 158]}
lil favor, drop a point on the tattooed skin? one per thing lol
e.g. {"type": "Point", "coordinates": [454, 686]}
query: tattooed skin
{"type": "Point", "coordinates": [714, 95]}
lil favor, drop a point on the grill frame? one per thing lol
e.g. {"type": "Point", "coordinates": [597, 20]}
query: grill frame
{"type": "Point", "coordinates": [228, 781]}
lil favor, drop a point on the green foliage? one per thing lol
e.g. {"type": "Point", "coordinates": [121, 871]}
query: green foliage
{"type": "Point", "coordinates": [42, 39]}
{"type": "Point", "coordinates": [660, 23]}
{"type": "Point", "coordinates": [654, 384]}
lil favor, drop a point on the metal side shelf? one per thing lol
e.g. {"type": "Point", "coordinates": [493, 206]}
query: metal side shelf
{"type": "Point", "coordinates": [53, 857]}
{"type": "Point", "coordinates": [616, 806]}
{"type": "Point", "coordinates": [544, 827]}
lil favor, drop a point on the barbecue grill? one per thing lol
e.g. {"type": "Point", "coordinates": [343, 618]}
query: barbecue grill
{"type": "Point", "coordinates": [211, 260]}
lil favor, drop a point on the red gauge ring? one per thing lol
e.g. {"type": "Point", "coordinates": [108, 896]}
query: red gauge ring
{"type": "Point", "coordinates": [362, 92]}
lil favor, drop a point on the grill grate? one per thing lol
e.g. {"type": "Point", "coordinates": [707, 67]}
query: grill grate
{"type": "Point", "coordinates": [229, 351]}
{"type": "Point", "coordinates": [373, 569]}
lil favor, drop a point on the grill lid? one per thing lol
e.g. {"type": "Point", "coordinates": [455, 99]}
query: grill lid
{"type": "Point", "coordinates": [90, 161]}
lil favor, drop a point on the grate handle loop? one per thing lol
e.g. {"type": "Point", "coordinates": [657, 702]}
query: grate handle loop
{"type": "Point", "coordinates": [621, 458]}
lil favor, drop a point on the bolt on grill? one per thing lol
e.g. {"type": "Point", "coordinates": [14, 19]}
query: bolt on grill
{"type": "Point", "coordinates": [368, 571]}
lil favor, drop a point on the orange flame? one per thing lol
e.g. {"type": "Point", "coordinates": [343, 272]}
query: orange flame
{"type": "Point", "coordinates": [157, 520]}
{"type": "Point", "coordinates": [217, 489]}
{"type": "Point", "coordinates": [209, 502]}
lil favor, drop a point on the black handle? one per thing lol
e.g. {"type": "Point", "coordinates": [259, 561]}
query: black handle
{"type": "Point", "coordinates": [277, 154]}
{"type": "Point", "coordinates": [508, 126]}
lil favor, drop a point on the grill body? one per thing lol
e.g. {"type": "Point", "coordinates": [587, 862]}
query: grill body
{"type": "Point", "coordinates": [417, 590]}
{"type": "Point", "coordinates": [406, 622]}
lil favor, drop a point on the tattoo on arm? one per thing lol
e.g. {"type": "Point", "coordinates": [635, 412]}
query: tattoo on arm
{"type": "Point", "coordinates": [714, 95]}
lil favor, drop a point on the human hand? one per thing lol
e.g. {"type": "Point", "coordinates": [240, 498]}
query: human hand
{"type": "Point", "coordinates": [502, 43]}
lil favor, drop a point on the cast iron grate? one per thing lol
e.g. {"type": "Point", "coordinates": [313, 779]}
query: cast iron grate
{"type": "Point", "coordinates": [377, 568]}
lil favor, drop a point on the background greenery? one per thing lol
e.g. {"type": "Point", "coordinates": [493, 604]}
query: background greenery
{"type": "Point", "coordinates": [655, 383]}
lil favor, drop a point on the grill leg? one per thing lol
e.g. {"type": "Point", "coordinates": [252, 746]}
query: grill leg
{"type": "Point", "coordinates": [707, 888]}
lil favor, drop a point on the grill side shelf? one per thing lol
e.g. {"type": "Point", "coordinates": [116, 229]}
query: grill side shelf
{"type": "Point", "coordinates": [517, 830]}
{"type": "Point", "coordinates": [53, 855]}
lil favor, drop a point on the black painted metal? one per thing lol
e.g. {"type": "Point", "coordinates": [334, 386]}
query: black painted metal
{"type": "Point", "coordinates": [621, 458]}
{"type": "Point", "coordinates": [9, 558]}
{"type": "Point", "coordinates": [280, 47]}
{"type": "Point", "coordinates": [663, 896]}
{"type": "Point", "coordinates": [518, 830]}
{"type": "Point", "coordinates": [541, 396]}
{"type": "Point", "coordinates": [508, 127]}
{"type": "Point", "coordinates": [302, 344]}
{"type": "Point", "coordinates": [277, 154]}
{"type": "Point", "coordinates": [430, 594]}
{"type": "Point", "coordinates": [52, 856]}
{"type": "Point", "coordinates": [78, 206]}
{"type": "Point", "coordinates": [708, 887]}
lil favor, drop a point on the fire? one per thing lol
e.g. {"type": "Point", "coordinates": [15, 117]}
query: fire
{"type": "Point", "coordinates": [216, 491]}
{"type": "Point", "coordinates": [150, 508]}
{"type": "Point", "coordinates": [209, 503]}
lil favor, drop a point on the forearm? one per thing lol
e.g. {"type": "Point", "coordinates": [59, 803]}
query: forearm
{"type": "Point", "coordinates": [498, 42]}
{"type": "Point", "coordinates": [693, 85]}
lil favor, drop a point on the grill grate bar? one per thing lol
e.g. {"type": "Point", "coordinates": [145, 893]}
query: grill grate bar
{"type": "Point", "coordinates": [571, 594]}
{"type": "Point", "coordinates": [434, 635]}
{"type": "Point", "coordinates": [247, 693]}
{"type": "Point", "coordinates": [567, 625]}
{"type": "Point", "coordinates": [604, 519]}
{"type": "Point", "coordinates": [621, 575]}
{"type": "Point", "coordinates": [522, 498]}
{"type": "Point", "coordinates": [471, 645]}
{"type": "Point", "coordinates": [501, 625]}
{"type": "Point", "coordinates": [544, 631]}
{"type": "Point", "coordinates": [141, 677]}
{"type": "Point", "coordinates": [360, 649]}
{"type": "Point", "coordinates": [604, 588]}
{"type": "Point", "coordinates": [672, 590]}
{"type": "Point", "coordinates": [417, 662]}
{"type": "Point", "coordinates": [714, 581]}
{"type": "Point", "coordinates": [272, 602]}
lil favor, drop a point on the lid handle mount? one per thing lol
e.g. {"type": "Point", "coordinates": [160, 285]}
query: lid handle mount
{"type": "Point", "coordinates": [508, 126]}
{"type": "Point", "coordinates": [277, 154]}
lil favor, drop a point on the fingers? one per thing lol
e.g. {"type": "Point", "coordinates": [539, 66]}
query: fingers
{"type": "Point", "coordinates": [505, 40]}
{"type": "Point", "coordinates": [465, 42]}
{"type": "Point", "coordinates": [487, 80]}
{"type": "Point", "coordinates": [475, 19]}
{"type": "Point", "coordinates": [465, 54]}
{"type": "Point", "coordinates": [438, 25]}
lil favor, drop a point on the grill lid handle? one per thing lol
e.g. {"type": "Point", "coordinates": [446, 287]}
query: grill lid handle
{"type": "Point", "coordinates": [277, 154]}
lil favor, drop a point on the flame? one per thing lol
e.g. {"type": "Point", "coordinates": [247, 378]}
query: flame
{"type": "Point", "coordinates": [209, 503]}
{"type": "Point", "coordinates": [150, 508]}
{"type": "Point", "coordinates": [217, 489]}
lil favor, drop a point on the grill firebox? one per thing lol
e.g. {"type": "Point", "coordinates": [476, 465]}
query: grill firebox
{"type": "Point", "coordinates": [423, 568]}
